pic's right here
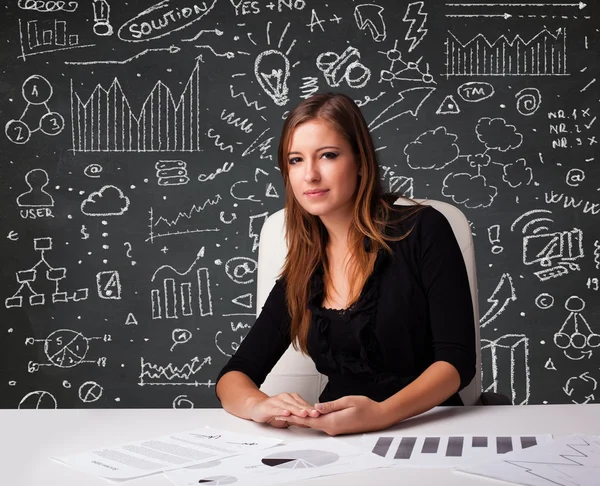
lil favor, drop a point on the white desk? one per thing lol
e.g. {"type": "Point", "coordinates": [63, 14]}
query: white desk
{"type": "Point", "coordinates": [30, 437]}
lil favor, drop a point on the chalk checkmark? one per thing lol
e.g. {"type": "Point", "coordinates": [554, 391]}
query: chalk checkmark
{"type": "Point", "coordinates": [591, 123]}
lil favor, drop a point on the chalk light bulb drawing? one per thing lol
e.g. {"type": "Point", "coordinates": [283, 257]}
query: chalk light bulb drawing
{"type": "Point", "coordinates": [272, 70]}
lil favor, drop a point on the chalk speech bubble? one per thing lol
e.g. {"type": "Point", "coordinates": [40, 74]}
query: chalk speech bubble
{"type": "Point", "coordinates": [163, 18]}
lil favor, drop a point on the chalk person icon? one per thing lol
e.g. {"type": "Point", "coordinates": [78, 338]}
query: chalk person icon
{"type": "Point", "coordinates": [36, 201]}
{"type": "Point", "coordinates": [576, 332]}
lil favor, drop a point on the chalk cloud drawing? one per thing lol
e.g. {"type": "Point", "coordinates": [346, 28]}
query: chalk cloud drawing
{"type": "Point", "coordinates": [28, 279]}
{"type": "Point", "coordinates": [37, 91]}
{"type": "Point", "coordinates": [108, 201]}
{"type": "Point", "coordinates": [419, 152]}
{"type": "Point", "coordinates": [517, 174]}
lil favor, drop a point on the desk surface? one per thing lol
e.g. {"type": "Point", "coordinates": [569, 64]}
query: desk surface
{"type": "Point", "coordinates": [30, 437]}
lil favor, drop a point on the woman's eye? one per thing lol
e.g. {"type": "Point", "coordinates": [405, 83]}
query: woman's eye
{"type": "Point", "coordinates": [329, 155]}
{"type": "Point", "coordinates": [294, 160]}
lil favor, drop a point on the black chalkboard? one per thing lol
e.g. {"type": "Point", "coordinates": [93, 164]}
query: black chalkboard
{"type": "Point", "coordinates": [138, 166]}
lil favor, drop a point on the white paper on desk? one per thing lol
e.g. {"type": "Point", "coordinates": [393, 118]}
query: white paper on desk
{"type": "Point", "coordinates": [295, 461]}
{"type": "Point", "coordinates": [445, 451]}
{"type": "Point", "coordinates": [141, 458]}
{"type": "Point", "coordinates": [572, 461]}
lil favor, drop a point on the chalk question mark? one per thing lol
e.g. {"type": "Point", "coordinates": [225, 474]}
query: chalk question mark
{"type": "Point", "coordinates": [129, 251]}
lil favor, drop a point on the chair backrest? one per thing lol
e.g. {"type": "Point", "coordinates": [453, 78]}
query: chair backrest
{"type": "Point", "coordinates": [295, 372]}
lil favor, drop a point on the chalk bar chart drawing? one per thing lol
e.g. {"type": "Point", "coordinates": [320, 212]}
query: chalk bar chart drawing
{"type": "Point", "coordinates": [105, 122]}
{"type": "Point", "coordinates": [545, 54]}
{"type": "Point", "coordinates": [300, 459]}
{"type": "Point", "coordinates": [54, 36]}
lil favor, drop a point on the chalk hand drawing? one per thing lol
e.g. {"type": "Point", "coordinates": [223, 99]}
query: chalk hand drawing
{"type": "Point", "coordinates": [506, 361]}
{"type": "Point", "coordinates": [575, 337]}
{"type": "Point", "coordinates": [184, 295]}
{"type": "Point", "coordinates": [36, 196]}
{"type": "Point", "coordinates": [409, 101]}
{"type": "Point", "coordinates": [171, 173]}
{"type": "Point", "coordinates": [36, 90]}
{"type": "Point", "coordinates": [529, 101]}
{"type": "Point", "coordinates": [415, 17]}
{"type": "Point", "coordinates": [180, 336]}
{"type": "Point", "coordinates": [503, 294]}
{"type": "Point", "coordinates": [102, 26]}
{"type": "Point", "coordinates": [161, 126]}
{"type": "Point", "coordinates": [162, 19]}
{"type": "Point", "coordinates": [370, 16]}
{"type": "Point", "coordinates": [476, 91]}
{"type": "Point", "coordinates": [108, 201]}
{"type": "Point", "coordinates": [54, 37]}
{"type": "Point", "coordinates": [517, 174]}
{"type": "Point", "coordinates": [584, 385]}
{"type": "Point", "coordinates": [545, 54]}
{"type": "Point", "coordinates": [28, 278]}
{"type": "Point", "coordinates": [161, 375]}
{"type": "Point", "coordinates": [344, 67]}
{"type": "Point", "coordinates": [433, 149]}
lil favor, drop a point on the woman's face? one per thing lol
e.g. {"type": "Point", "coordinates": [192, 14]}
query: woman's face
{"type": "Point", "coordinates": [323, 171]}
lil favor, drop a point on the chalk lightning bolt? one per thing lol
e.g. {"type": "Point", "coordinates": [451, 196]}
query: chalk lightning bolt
{"type": "Point", "coordinates": [413, 12]}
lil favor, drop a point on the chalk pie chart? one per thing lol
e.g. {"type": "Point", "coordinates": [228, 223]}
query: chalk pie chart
{"type": "Point", "coordinates": [300, 459]}
{"type": "Point", "coordinates": [220, 480]}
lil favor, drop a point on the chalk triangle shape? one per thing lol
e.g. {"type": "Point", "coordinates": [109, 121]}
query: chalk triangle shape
{"type": "Point", "coordinates": [448, 107]}
{"type": "Point", "coordinates": [243, 300]}
{"type": "Point", "coordinates": [550, 365]}
{"type": "Point", "coordinates": [271, 191]}
{"type": "Point", "coordinates": [131, 320]}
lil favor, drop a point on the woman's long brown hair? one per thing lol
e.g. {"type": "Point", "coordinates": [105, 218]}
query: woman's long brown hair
{"type": "Point", "coordinates": [306, 235]}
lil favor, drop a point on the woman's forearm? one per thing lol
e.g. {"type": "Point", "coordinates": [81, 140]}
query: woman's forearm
{"type": "Point", "coordinates": [436, 384]}
{"type": "Point", "coordinates": [238, 393]}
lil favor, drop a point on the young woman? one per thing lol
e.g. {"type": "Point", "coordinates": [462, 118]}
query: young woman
{"type": "Point", "coordinates": [376, 294]}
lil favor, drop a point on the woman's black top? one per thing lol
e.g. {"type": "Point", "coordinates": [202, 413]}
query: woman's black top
{"type": "Point", "coordinates": [414, 309]}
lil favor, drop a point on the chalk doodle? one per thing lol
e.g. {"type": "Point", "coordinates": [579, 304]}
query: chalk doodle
{"type": "Point", "coordinates": [344, 67]}
{"type": "Point", "coordinates": [415, 17]}
{"type": "Point", "coordinates": [172, 375]}
{"type": "Point", "coordinates": [408, 70]}
{"type": "Point", "coordinates": [55, 36]}
{"type": "Point", "coordinates": [43, 270]}
{"type": "Point", "coordinates": [36, 90]}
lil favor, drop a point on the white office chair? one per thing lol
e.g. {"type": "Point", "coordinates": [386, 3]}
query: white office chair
{"type": "Point", "coordinates": [296, 372]}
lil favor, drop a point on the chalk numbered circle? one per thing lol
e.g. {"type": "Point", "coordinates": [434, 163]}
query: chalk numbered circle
{"type": "Point", "coordinates": [38, 399]}
{"type": "Point", "coordinates": [90, 392]}
{"type": "Point", "coordinates": [65, 348]}
{"type": "Point", "coordinates": [17, 131]}
{"type": "Point", "coordinates": [52, 123]}
{"type": "Point", "coordinates": [37, 90]}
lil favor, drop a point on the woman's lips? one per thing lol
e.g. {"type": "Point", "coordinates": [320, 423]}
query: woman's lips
{"type": "Point", "coordinates": [314, 194]}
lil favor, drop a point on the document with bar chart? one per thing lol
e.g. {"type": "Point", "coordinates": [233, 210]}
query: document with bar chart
{"type": "Point", "coordinates": [569, 461]}
{"type": "Point", "coordinates": [447, 450]}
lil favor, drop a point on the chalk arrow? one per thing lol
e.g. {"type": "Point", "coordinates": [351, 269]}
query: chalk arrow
{"type": "Point", "coordinates": [581, 5]}
{"type": "Point", "coordinates": [500, 298]}
{"type": "Point", "coordinates": [504, 15]}
{"type": "Point", "coordinates": [581, 356]}
{"type": "Point", "coordinates": [369, 16]}
{"type": "Point", "coordinates": [409, 101]}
